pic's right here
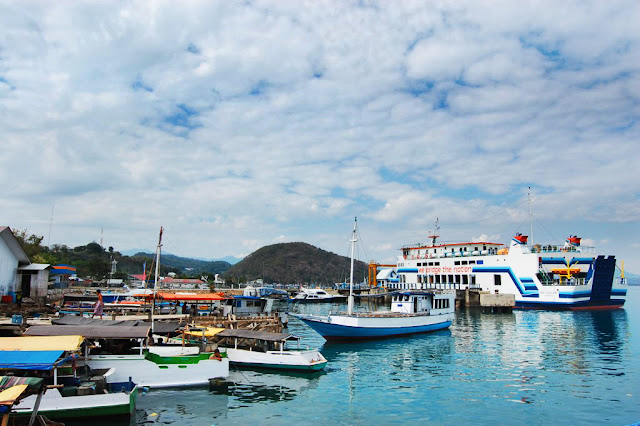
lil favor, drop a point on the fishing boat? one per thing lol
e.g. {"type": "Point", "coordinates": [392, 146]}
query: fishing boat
{"type": "Point", "coordinates": [150, 366]}
{"type": "Point", "coordinates": [262, 349]}
{"type": "Point", "coordinates": [70, 394]}
{"type": "Point", "coordinates": [258, 349]}
{"type": "Point", "coordinates": [567, 276]}
{"type": "Point", "coordinates": [411, 312]}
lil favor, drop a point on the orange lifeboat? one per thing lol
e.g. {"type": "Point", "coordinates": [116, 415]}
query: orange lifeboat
{"type": "Point", "coordinates": [521, 239]}
{"type": "Point", "coordinates": [573, 240]}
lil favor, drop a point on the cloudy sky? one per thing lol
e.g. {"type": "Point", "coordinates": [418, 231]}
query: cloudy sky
{"type": "Point", "coordinates": [241, 124]}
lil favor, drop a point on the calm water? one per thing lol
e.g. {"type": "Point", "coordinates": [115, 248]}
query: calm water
{"type": "Point", "coordinates": [526, 367]}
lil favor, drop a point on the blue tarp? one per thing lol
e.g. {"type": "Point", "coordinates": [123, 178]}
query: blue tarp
{"type": "Point", "coordinates": [29, 360]}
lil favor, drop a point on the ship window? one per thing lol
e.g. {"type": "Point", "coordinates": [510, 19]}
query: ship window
{"type": "Point", "coordinates": [496, 280]}
{"type": "Point", "coordinates": [457, 262]}
{"type": "Point", "coordinates": [472, 262]}
{"type": "Point", "coordinates": [465, 279]}
{"type": "Point", "coordinates": [437, 264]}
{"type": "Point", "coordinates": [437, 279]}
{"type": "Point", "coordinates": [473, 279]}
{"type": "Point", "coordinates": [464, 262]}
{"type": "Point", "coordinates": [450, 278]}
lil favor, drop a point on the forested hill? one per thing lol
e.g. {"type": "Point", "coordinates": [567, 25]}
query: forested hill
{"type": "Point", "coordinates": [299, 263]}
{"type": "Point", "coordinates": [186, 265]}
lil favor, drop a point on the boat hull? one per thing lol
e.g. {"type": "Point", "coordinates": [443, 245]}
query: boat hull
{"type": "Point", "coordinates": [287, 360]}
{"type": "Point", "coordinates": [160, 372]}
{"type": "Point", "coordinates": [345, 327]}
{"type": "Point", "coordinates": [54, 406]}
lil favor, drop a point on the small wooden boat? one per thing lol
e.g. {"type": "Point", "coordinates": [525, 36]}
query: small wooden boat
{"type": "Point", "coordinates": [260, 349]}
{"type": "Point", "coordinates": [153, 366]}
{"type": "Point", "coordinates": [263, 349]}
{"type": "Point", "coordinates": [70, 395]}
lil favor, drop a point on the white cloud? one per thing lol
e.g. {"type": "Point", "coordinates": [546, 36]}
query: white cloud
{"type": "Point", "coordinates": [238, 125]}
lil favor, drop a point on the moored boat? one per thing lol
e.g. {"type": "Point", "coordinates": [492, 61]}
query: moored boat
{"type": "Point", "coordinates": [151, 366]}
{"type": "Point", "coordinates": [411, 312]}
{"type": "Point", "coordinates": [258, 349]}
{"type": "Point", "coordinates": [70, 394]}
{"type": "Point", "coordinates": [268, 350]}
{"type": "Point", "coordinates": [317, 295]}
{"type": "Point", "coordinates": [547, 276]}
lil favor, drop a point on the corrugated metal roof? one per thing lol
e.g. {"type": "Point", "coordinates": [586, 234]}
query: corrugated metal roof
{"type": "Point", "coordinates": [253, 334]}
{"type": "Point", "coordinates": [34, 267]}
{"type": "Point", "coordinates": [12, 242]}
{"type": "Point", "coordinates": [90, 332]}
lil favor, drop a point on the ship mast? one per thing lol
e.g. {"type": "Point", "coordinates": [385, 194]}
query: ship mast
{"type": "Point", "coordinates": [353, 240]}
{"type": "Point", "coordinates": [434, 235]}
{"type": "Point", "coordinates": [530, 217]}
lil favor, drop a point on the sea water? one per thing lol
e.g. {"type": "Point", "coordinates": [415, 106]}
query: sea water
{"type": "Point", "coordinates": [525, 367]}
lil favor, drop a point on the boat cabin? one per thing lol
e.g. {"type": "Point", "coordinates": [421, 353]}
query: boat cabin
{"type": "Point", "coordinates": [408, 302]}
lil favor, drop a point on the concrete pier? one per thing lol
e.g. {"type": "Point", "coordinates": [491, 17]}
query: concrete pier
{"type": "Point", "coordinates": [485, 300]}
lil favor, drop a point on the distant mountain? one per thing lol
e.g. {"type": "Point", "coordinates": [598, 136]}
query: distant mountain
{"type": "Point", "coordinates": [187, 265]}
{"type": "Point", "coordinates": [133, 252]}
{"type": "Point", "coordinates": [633, 281]}
{"type": "Point", "coordinates": [229, 259]}
{"type": "Point", "coordinates": [299, 263]}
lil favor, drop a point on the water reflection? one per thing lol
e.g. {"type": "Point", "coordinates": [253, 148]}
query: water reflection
{"type": "Point", "coordinates": [181, 406]}
{"type": "Point", "coordinates": [251, 386]}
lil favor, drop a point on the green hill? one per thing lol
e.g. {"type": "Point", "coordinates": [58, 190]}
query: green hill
{"type": "Point", "coordinates": [299, 263]}
{"type": "Point", "coordinates": [186, 265]}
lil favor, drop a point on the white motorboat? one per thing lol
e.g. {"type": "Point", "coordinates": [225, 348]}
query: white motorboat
{"type": "Point", "coordinates": [316, 295]}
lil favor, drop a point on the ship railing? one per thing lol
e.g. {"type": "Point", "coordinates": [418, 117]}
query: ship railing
{"type": "Point", "coordinates": [561, 249]}
{"type": "Point", "coordinates": [571, 282]}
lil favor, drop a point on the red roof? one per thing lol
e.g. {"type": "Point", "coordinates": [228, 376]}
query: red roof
{"type": "Point", "coordinates": [477, 243]}
{"type": "Point", "coordinates": [189, 297]}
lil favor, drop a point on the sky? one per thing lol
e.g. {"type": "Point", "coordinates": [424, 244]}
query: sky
{"type": "Point", "coordinates": [239, 124]}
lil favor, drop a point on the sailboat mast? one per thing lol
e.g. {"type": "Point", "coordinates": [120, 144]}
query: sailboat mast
{"type": "Point", "coordinates": [155, 282]}
{"type": "Point", "coordinates": [353, 240]}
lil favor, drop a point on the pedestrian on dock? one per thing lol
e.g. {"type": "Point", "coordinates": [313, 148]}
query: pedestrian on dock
{"type": "Point", "coordinates": [19, 299]}
{"type": "Point", "coordinates": [99, 305]}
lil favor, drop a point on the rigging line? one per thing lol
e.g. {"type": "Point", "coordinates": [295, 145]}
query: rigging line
{"type": "Point", "coordinates": [240, 371]}
{"type": "Point", "coordinates": [545, 228]}
{"type": "Point", "coordinates": [518, 227]}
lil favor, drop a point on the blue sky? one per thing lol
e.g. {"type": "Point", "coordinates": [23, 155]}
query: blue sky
{"type": "Point", "coordinates": [241, 124]}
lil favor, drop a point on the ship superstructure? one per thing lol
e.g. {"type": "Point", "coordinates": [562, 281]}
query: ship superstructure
{"type": "Point", "coordinates": [568, 276]}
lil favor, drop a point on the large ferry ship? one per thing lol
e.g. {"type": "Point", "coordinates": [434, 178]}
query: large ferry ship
{"type": "Point", "coordinates": [569, 276]}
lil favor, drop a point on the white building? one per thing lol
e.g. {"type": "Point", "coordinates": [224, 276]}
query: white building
{"type": "Point", "coordinates": [34, 279]}
{"type": "Point", "coordinates": [387, 278]}
{"type": "Point", "coordinates": [11, 257]}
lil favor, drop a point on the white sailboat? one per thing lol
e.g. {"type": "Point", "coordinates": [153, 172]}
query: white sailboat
{"type": "Point", "coordinates": [411, 312]}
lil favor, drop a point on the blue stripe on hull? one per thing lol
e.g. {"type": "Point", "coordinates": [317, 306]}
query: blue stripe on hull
{"type": "Point", "coordinates": [333, 331]}
{"type": "Point", "coordinates": [587, 304]}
